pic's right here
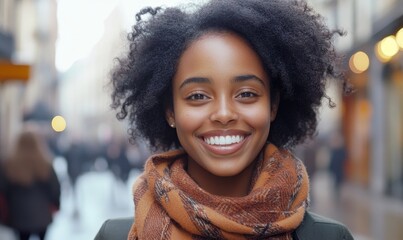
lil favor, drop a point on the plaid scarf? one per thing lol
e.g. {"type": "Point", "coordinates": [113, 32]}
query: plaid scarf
{"type": "Point", "coordinates": [170, 205]}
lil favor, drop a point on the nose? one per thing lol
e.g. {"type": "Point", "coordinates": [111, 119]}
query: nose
{"type": "Point", "coordinates": [224, 111]}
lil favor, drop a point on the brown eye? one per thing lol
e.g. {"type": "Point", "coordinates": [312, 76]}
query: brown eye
{"type": "Point", "coordinates": [197, 96]}
{"type": "Point", "coordinates": [247, 95]}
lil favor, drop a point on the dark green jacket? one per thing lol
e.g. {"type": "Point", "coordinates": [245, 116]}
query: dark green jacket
{"type": "Point", "coordinates": [313, 227]}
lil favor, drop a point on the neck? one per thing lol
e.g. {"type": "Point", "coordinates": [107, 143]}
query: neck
{"type": "Point", "coordinates": [231, 186]}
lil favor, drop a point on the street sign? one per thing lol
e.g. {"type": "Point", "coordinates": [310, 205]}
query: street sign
{"type": "Point", "coordinates": [10, 71]}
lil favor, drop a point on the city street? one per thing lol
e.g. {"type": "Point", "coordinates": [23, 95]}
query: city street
{"type": "Point", "coordinates": [368, 217]}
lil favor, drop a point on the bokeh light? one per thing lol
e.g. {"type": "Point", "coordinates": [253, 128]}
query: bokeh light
{"type": "Point", "coordinates": [58, 124]}
{"type": "Point", "coordinates": [379, 53]}
{"type": "Point", "coordinates": [388, 46]}
{"type": "Point", "coordinates": [359, 62]}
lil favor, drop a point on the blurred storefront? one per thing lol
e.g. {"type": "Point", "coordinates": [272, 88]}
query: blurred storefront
{"type": "Point", "coordinates": [373, 114]}
{"type": "Point", "coordinates": [28, 32]}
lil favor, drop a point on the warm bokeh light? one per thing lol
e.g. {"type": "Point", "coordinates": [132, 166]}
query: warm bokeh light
{"type": "Point", "coordinates": [379, 54]}
{"type": "Point", "coordinates": [399, 38]}
{"type": "Point", "coordinates": [58, 124]}
{"type": "Point", "coordinates": [359, 62]}
{"type": "Point", "coordinates": [388, 46]}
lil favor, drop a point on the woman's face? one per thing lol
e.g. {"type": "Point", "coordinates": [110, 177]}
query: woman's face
{"type": "Point", "coordinates": [221, 104]}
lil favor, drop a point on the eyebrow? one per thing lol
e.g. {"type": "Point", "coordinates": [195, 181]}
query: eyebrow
{"type": "Point", "coordinates": [237, 79]}
{"type": "Point", "coordinates": [248, 77]}
{"type": "Point", "coordinates": [194, 80]}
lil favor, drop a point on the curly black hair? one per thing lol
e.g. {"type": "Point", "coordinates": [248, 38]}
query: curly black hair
{"type": "Point", "coordinates": [292, 41]}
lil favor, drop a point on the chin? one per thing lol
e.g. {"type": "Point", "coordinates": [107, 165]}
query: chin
{"type": "Point", "coordinates": [225, 172]}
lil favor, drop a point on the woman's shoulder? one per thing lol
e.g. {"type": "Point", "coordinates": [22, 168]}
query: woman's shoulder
{"type": "Point", "coordinates": [315, 226]}
{"type": "Point", "coordinates": [312, 227]}
{"type": "Point", "coordinates": [115, 229]}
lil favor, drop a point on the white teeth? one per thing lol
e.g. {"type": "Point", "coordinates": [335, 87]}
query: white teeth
{"type": "Point", "coordinates": [223, 140]}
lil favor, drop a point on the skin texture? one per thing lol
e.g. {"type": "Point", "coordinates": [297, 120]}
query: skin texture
{"type": "Point", "coordinates": [221, 89]}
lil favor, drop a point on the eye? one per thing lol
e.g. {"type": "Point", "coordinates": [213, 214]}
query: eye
{"type": "Point", "coordinates": [197, 96]}
{"type": "Point", "coordinates": [247, 94]}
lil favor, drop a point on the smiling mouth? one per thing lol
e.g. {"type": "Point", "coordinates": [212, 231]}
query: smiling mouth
{"type": "Point", "coordinates": [223, 140]}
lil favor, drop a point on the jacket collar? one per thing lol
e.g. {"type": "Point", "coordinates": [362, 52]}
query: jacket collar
{"type": "Point", "coordinates": [304, 230]}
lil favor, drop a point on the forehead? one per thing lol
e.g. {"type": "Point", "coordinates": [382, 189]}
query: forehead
{"type": "Point", "coordinates": [220, 43]}
{"type": "Point", "coordinates": [220, 52]}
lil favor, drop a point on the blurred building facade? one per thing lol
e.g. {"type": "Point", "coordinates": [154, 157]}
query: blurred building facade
{"type": "Point", "coordinates": [84, 89]}
{"type": "Point", "coordinates": [373, 115]}
{"type": "Point", "coordinates": [28, 32]}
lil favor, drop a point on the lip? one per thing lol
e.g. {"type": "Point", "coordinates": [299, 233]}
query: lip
{"type": "Point", "coordinates": [224, 149]}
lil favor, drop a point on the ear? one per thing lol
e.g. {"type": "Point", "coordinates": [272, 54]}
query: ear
{"type": "Point", "coordinates": [274, 106]}
{"type": "Point", "coordinates": [170, 117]}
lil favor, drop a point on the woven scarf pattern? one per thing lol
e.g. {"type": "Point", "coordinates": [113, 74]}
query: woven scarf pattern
{"type": "Point", "coordinates": [170, 205]}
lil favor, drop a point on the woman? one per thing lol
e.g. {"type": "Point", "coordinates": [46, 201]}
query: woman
{"type": "Point", "coordinates": [226, 90]}
{"type": "Point", "coordinates": [32, 188]}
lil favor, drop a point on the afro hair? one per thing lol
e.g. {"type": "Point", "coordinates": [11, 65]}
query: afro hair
{"type": "Point", "coordinates": [294, 44]}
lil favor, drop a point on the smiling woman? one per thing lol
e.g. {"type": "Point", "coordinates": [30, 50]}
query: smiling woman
{"type": "Point", "coordinates": [226, 90]}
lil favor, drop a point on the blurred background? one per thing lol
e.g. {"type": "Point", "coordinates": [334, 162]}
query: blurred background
{"type": "Point", "coordinates": [55, 57]}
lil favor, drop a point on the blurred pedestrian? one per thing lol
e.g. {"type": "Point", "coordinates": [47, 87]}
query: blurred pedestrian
{"type": "Point", "coordinates": [338, 157]}
{"type": "Point", "coordinates": [79, 158]}
{"type": "Point", "coordinates": [32, 189]}
{"type": "Point", "coordinates": [115, 154]}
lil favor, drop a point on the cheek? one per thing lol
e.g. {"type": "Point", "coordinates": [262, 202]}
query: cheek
{"type": "Point", "coordinates": [188, 119]}
{"type": "Point", "coordinates": [261, 123]}
{"type": "Point", "coordinates": [257, 117]}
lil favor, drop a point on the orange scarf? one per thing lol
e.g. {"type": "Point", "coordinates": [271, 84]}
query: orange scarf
{"type": "Point", "coordinates": [170, 205]}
